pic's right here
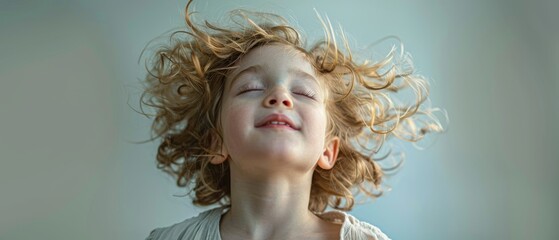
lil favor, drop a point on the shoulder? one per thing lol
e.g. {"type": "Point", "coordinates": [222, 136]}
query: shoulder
{"type": "Point", "coordinates": [203, 226]}
{"type": "Point", "coordinates": [352, 228]}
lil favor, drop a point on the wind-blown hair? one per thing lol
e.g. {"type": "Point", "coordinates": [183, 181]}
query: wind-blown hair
{"type": "Point", "coordinates": [185, 83]}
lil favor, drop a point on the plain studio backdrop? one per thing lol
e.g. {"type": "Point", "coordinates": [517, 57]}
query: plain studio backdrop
{"type": "Point", "coordinates": [69, 69]}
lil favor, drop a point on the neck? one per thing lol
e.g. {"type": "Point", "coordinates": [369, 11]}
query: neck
{"type": "Point", "coordinates": [269, 207]}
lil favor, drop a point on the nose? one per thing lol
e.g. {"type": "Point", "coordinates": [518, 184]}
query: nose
{"type": "Point", "coordinates": [278, 98]}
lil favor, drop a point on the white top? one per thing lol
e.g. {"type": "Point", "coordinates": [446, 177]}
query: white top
{"type": "Point", "coordinates": [206, 226]}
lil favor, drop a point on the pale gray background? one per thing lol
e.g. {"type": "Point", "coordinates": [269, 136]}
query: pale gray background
{"type": "Point", "coordinates": [68, 68]}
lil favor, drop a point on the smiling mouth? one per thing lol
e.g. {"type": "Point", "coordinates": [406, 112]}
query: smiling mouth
{"type": "Point", "coordinates": [277, 121]}
{"type": "Point", "coordinates": [277, 124]}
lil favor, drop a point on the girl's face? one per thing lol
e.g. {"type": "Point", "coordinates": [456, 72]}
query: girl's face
{"type": "Point", "coordinates": [273, 114]}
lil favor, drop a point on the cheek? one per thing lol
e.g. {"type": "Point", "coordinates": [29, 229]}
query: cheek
{"type": "Point", "coordinates": [235, 120]}
{"type": "Point", "coordinates": [319, 120]}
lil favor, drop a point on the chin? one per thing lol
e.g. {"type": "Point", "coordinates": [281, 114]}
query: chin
{"type": "Point", "coordinates": [277, 158]}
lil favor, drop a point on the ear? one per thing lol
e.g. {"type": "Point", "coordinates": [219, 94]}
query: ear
{"type": "Point", "coordinates": [330, 154]}
{"type": "Point", "coordinates": [223, 154]}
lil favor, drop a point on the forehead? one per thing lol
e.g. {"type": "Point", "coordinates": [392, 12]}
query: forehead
{"type": "Point", "coordinates": [274, 57]}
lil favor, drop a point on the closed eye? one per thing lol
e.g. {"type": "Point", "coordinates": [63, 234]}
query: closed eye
{"type": "Point", "coordinates": [306, 93]}
{"type": "Point", "coordinates": [249, 89]}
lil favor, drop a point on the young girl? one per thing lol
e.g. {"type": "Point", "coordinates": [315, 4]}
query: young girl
{"type": "Point", "coordinates": [275, 132]}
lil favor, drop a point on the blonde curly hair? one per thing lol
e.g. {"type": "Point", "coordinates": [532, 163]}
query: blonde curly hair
{"type": "Point", "coordinates": [185, 84]}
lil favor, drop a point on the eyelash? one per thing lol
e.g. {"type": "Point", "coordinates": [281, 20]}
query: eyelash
{"type": "Point", "coordinates": [306, 93]}
{"type": "Point", "coordinates": [249, 88]}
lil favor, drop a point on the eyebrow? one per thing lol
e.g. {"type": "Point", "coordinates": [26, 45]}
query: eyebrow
{"type": "Point", "coordinates": [302, 74]}
{"type": "Point", "coordinates": [256, 68]}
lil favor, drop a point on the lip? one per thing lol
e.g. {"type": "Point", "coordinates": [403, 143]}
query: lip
{"type": "Point", "coordinates": [279, 118]}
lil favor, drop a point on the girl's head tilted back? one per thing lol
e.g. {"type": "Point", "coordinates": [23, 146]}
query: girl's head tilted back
{"type": "Point", "coordinates": [204, 84]}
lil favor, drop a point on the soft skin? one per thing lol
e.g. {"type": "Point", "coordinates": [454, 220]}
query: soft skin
{"type": "Point", "coordinates": [272, 165]}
